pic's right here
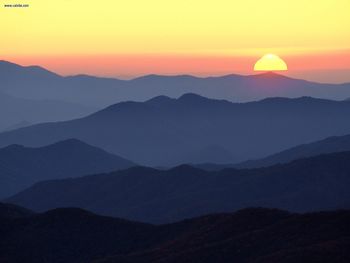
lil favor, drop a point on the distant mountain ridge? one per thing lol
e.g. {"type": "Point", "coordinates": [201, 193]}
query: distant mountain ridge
{"type": "Point", "coordinates": [194, 129]}
{"type": "Point", "coordinates": [157, 196]}
{"type": "Point", "coordinates": [20, 166]}
{"type": "Point", "coordinates": [38, 83]}
{"type": "Point", "coordinates": [329, 145]}
{"type": "Point", "coordinates": [250, 235]}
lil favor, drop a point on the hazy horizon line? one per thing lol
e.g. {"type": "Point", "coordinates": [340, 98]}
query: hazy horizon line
{"type": "Point", "coordinates": [180, 74]}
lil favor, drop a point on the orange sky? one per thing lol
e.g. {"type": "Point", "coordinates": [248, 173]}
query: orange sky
{"type": "Point", "coordinates": [136, 37]}
{"type": "Point", "coordinates": [333, 68]}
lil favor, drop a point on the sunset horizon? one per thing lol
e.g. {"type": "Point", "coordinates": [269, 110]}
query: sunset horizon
{"type": "Point", "coordinates": [311, 68]}
{"type": "Point", "coordinates": [175, 131]}
{"type": "Point", "coordinates": [130, 39]}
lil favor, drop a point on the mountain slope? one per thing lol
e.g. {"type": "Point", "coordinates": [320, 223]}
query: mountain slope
{"type": "Point", "coordinates": [17, 110]}
{"type": "Point", "coordinates": [256, 235]}
{"type": "Point", "coordinates": [38, 83]}
{"type": "Point", "coordinates": [69, 235]}
{"type": "Point", "coordinates": [13, 211]}
{"type": "Point", "coordinates": [250, 235]}
{"type": "Point", "coordinates": [194, 129]}
{"type": "Point", "coordinates": [150, 195]}
{"type": "Point", "coordinates": [328, 145]}
{"type": "Point", "coordinates": [22, 166]}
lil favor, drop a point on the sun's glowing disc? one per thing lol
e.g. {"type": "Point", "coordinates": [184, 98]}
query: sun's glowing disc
{"type": "Point", "coordinates": [270, 62]}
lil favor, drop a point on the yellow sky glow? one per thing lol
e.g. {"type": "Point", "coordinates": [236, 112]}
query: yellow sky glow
{"type": "Point", "coordinates": [226, 28]}
{"type": "Point", "coordinates": [184, 26]}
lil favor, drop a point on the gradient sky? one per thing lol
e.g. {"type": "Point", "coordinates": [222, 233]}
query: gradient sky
{"type": "Point", "coordinates": [137, 37]}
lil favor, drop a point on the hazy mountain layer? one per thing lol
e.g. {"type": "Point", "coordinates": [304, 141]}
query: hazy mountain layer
{"type": "Point", "coordinates": [18, 112]}
{"type": "Point", "coordinates": [38, 83]}
{"type": "Point", "coordinates": [21, 166]}
{"type": "Point", "coordinates": [194, 129]}
{"type": "Point", "coordinates": [328, 145]}
{"type": "Point", "coordinates": [150, 195]}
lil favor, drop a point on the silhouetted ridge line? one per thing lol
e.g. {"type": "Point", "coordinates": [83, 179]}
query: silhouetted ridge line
{"type": "Point", "coordinates": [254, 234]}
{"type": "Point", "coordinates": [161, 196]}
{"type": "Point", "coordinates": [10, 211]}
{"type": "Point", "coordinates": [40, 84]}
{"type": "Point", "coordinates": [329, 145]}
{"type": "Point", "coordinates": [21, 166]}
{"type": "Point", "coordinates": [195, 129]}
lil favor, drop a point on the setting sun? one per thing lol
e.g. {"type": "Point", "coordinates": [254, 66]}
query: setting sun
{"type": "Point", "coordinates": [270, 62]}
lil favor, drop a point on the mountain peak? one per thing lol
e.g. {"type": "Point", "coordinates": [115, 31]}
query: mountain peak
{"type": "Point", "coordinates": [192, 97]}
{"type": "Point", "coordinates": [70, 143]}
{"type": "Point", "coordinates": [160, 100]}
{"type": "Point", "coordinates": [270, 75]}
{"type": "Point", "coordinates": [34, 69]}
{"type": "Point", "coordinates": [163, 77]}
{"type": "Point", "coordinates": [23, 166]}
{"type": "Point", "coordinates": [6, 64]}
{"type": "Point", "coordinates": [303, 99]}
{"type": "Point", "coordinates": [186, 168]}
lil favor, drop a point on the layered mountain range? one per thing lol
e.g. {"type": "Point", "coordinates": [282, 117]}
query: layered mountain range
{"type": "Point", "coordinates": [247, 236]}
{"type": "Point", "coordinates": [35, 82]}
{"type": "Point", "coordinates": [329, 145]}
{"type": "Point", "coordinates": [193, 129]}
{"type": "Point", "coordinates": [160, 196]}
{"type": "Point", "coordinates": [234, 142]}
{"type": "Point", "coordinates": [20, 166]}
